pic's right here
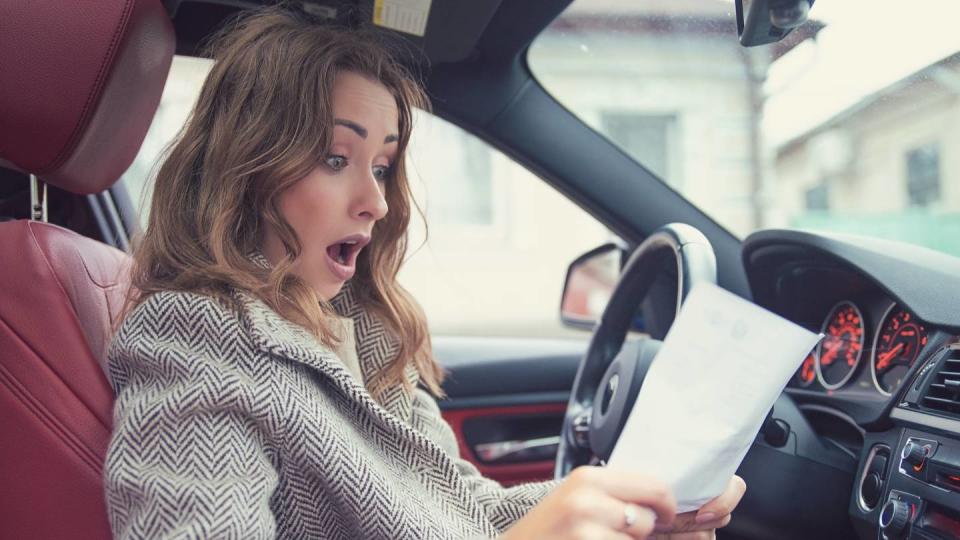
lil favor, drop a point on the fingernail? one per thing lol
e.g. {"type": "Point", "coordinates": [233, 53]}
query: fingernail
{"type": "Point", "coordinates": [657, 527]}
{"type": "Point", "coordinates": [705, 517]}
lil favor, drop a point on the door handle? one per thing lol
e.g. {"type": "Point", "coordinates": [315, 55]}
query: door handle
{"type": "Point", "coordinates": [543, 448]}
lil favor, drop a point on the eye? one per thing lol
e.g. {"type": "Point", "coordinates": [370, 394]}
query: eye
{"type": "Point", "coordinates": [382, 172]}
{"type": "Point", "coordinates": [336, 163]}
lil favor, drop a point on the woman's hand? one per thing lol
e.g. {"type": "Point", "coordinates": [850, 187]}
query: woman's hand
{"type": "Point", "coordinates": [702, 524]}
{"type": "Point", "coordinates": [597, 503]}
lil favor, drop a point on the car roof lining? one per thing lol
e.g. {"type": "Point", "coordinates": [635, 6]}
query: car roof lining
{"type": "Point", "coordinates": [453, 33]}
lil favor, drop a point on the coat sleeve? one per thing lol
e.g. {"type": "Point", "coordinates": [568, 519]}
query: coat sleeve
{"type": "Point", "coordinates": [503, 505]}
{"type": "Point", "coordinates": [187, 458]}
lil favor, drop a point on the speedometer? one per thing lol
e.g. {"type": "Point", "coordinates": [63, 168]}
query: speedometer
{"type": "Point", "coordinates": [896, 348]}
{"type": "Point", "coordinates": [839, 352]}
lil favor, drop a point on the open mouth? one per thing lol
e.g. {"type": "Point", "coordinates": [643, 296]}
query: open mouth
{"type": "Point", "coordinates": [342, 252]}
{"type": "Point", "coordinates": [342, 255]}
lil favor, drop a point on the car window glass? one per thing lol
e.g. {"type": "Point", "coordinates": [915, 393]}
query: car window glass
{"type": "Point", "coordinates": [839, 127]}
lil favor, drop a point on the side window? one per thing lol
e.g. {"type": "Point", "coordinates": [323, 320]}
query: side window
{"type": "Point", "coordinates": [499, 238]}
{"type": "Point", "coordinates": [466, 199]}
{"type": "Point", "coordinates": [491, 255]}
{"type": "Point", "coordinates": [179, 94]}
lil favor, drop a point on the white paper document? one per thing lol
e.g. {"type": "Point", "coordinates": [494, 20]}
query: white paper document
{"type": "Point", "coordinates": [708, 391]}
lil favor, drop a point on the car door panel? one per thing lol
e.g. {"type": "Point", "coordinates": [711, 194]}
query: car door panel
{"type": "Point", "coordinates": [512, 445]}
{"type": "Point", "coordinates": [505, 401]}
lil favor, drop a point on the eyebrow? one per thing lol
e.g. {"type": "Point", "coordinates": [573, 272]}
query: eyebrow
{"type": "Point", "coordinates": [362, 131]}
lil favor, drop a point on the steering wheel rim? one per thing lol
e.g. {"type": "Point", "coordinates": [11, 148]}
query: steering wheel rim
{"type": "Point", "coordinates": [606, 359]}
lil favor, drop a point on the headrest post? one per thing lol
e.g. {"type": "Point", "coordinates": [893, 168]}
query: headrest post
{"type": "Point", "coordinates": [38, 199]}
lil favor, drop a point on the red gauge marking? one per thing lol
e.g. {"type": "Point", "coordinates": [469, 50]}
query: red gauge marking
{"type": "Point", "coordinates": [807, 372]}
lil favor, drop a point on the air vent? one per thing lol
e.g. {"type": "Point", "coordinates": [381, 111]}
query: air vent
{"type": "Point", "coordinates": [943, 394]}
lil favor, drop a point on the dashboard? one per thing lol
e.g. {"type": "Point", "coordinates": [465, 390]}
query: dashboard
{"type": "Point", "coordinates": [878, 399]}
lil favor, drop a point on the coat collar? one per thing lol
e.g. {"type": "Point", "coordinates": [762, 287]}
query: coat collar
{"type": "Point", "coordinates": [274, 335]}
{"type": "Point", "coordinates": [376, 346]}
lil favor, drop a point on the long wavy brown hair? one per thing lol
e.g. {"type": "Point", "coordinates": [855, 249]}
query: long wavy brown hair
{"type": "Point", "coordinates": [263, 121]}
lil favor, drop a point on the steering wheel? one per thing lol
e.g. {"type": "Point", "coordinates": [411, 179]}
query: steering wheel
{"type": "Point", "coordinates": [611, 373]}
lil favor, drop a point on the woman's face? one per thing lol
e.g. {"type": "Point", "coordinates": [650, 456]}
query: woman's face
{"type": "Point", "coordinates": [333, 209]}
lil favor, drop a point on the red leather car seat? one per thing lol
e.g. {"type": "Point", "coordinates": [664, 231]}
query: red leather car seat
{"type": "Point", "coordinates": [81, 82]}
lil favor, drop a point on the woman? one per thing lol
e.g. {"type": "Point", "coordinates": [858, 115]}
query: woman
{"type": "Point", "coordinates": [270, 373]}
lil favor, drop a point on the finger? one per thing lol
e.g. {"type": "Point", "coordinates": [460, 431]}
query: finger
{"type": "Point", "coordinates": [639, 489]}
{"type": "Point", "coordinates": [686, 522]}
{"type": "Point", "coordinates": [641, 520]}
{"type": "Point", "coordinates": [592, 530]}
{"type": "Point", "coordinates": [614, 513]}
{"type": "Point", "coordinates": [698, 535]}
{"type": "Point", "coordinates": [725, 503]}
{"type": "Point", "coordinates": [718, 524]}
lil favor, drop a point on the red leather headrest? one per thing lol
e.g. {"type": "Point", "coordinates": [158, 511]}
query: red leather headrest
{"type": "Point", "coordinates": [80, 85]}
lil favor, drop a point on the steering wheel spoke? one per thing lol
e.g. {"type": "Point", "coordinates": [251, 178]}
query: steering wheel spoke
{"type": "Point", "coordinates": [580, 432]}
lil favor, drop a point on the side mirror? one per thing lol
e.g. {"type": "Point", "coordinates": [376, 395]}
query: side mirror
{"type": "Point", "coordinates": [593, 276]}
{"type": "Point", "coordinates": [591, 279]}
{"type": "Point", "coordinates": [765, 21]}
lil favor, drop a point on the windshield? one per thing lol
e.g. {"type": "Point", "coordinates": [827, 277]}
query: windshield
{"type": "Point", "coordinates": [850, 124]}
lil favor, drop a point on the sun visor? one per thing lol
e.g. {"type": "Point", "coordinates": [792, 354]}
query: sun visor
{"type": "Point", "coordinates": [446, 30]}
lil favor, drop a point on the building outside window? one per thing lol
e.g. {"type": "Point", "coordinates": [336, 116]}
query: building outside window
{"type": "Point", "coordinates": [923, 175]}
{"type": "Point", "coordinates": [647, 138]}
{"type": "Point", "coordinates": [464, 196]}
{"type": "Point", "coordinates": [818, 197]}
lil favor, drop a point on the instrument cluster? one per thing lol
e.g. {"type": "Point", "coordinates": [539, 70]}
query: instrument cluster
{"type": "Point", "coordinates": [889, 345]}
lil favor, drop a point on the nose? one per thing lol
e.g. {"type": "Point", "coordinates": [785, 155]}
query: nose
{"type": "Point", "coordinates": [370, 203]}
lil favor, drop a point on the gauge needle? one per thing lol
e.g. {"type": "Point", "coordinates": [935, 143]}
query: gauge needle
{"type": "Point", "coordinates": [831, 354]}
{"type": "Point", "coordinates": [885, 357]}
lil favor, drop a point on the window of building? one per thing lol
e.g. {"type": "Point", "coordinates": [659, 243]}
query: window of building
{"type": "Point", "coordinates": [923, 175]}
{"type": "Point", "coordinates": [647, 138]}
{"type": "Point", "coordinates": [818, 197]}
{"type": "Point", "coordinates": [459, 168]}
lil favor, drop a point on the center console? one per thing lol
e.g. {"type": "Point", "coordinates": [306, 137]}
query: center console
{"type": "Point", "coordinates": [908, 486]}
{"type": "Point", "coordinates": [924, 489]}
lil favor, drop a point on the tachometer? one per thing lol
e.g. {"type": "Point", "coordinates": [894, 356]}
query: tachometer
{"type": "Point", "coordinates": [839, 352]}
{"type": "Point", "coordinates": [896, 348]}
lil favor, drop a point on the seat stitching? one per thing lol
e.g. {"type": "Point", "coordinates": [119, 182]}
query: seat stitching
{"type": "Point", "coordinates": [46, 260]}
{"type": "Point", "coordinates": [85, 453]}
{"type": "Point", "coordinates": [86, 112]}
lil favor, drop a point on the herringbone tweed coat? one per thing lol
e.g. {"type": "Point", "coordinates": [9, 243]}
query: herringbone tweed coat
{"type": "Point", "coordinates": [232, 422]}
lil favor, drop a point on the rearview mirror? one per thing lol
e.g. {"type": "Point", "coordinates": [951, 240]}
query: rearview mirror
{"type": "Point", "coordinates": [765, 21]}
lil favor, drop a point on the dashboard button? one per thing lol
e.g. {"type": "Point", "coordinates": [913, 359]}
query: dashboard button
{"type": "Point", "coordinates": [894, 518]}
{"type": "Point", "coordinates": [915, 454]}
